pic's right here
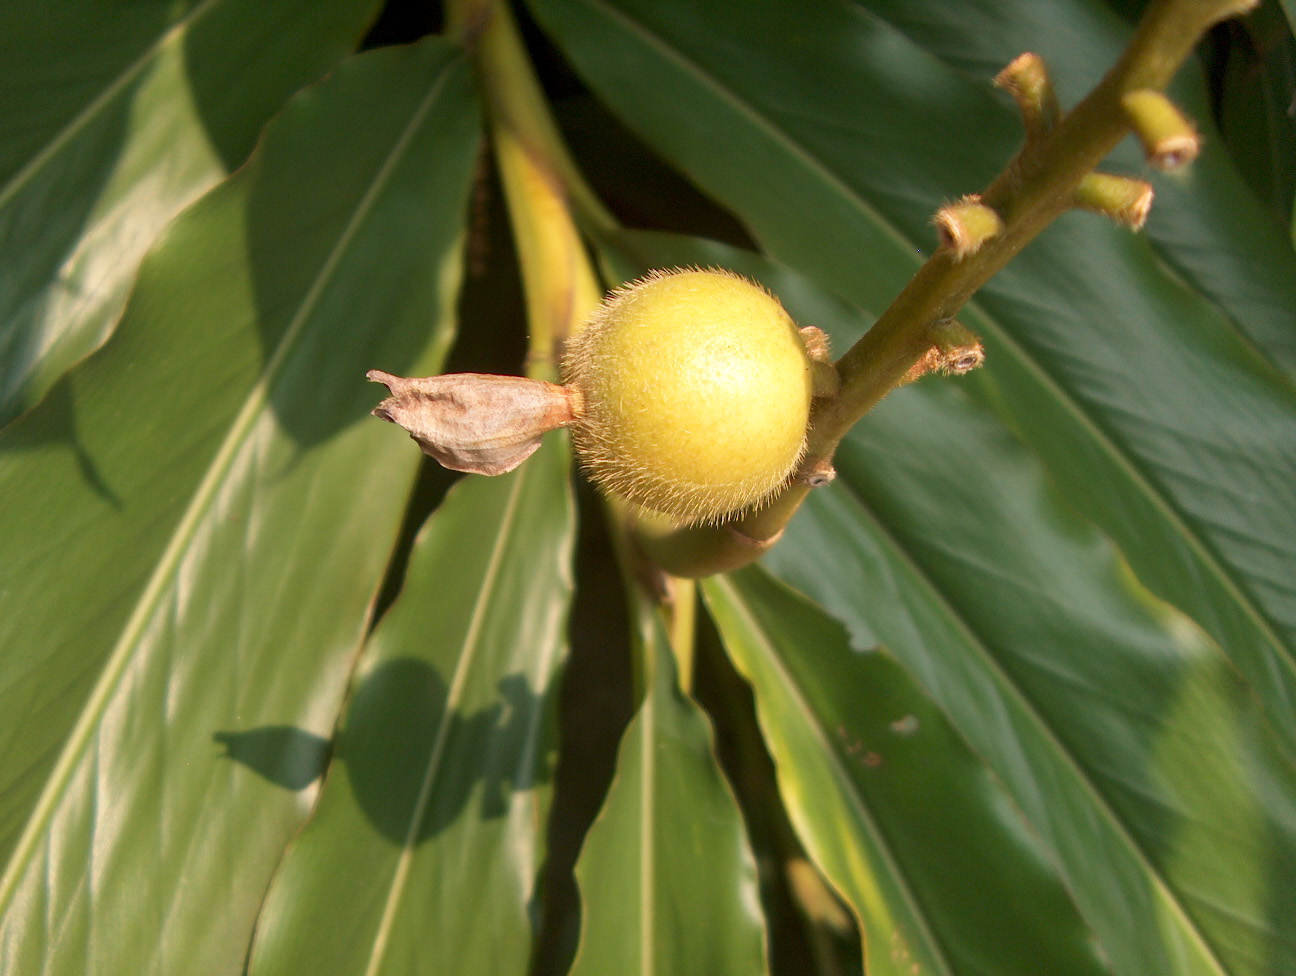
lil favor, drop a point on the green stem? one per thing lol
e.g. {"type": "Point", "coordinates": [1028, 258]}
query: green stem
{"type": "Point", "coordinates": [1032, 191]}
{"type": "Point", "coordinates": [540, 182]}
{"type": "Point", "coordinates": [649, 591]}
{"type": "Point", "coordinates": [681, 620]}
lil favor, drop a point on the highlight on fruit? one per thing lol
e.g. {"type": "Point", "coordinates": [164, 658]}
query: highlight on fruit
{"type": "Point", "coordinates": [688, 393]}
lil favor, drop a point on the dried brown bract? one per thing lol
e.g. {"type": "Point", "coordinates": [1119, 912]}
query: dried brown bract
{"type": "Point", "coordinates": [476, 422]}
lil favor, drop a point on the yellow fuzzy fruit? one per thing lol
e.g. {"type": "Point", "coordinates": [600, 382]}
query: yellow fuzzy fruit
{"type": "Point", "coordinates": [695, 392]}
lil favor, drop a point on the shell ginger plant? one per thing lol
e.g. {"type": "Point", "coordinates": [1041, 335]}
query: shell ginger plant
{"type": "Point", "coordinates": [877, 556]}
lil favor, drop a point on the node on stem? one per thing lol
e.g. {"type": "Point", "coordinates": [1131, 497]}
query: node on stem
{"type": "Point", "coordinates": [955, 349]}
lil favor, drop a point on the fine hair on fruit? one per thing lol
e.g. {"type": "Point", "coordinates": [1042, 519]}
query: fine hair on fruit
{"type": "Point", "coordinates": [694, 390]}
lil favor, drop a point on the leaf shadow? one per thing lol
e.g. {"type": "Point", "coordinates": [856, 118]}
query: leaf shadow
{"type": "Point", "coordinates": [282, 754]}
{"type": "Point", "coordinates": [52, 207]}
{"type": "Point", "coordinates": [412, 763]}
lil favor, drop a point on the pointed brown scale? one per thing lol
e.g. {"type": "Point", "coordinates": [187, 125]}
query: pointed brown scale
{"type": "Point", "coordinates": [824, 379]}
{"type": "Point", "coordinates": [476, 422]}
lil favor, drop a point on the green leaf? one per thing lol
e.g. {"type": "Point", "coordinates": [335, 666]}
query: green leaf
{"type": "Point", "coordinates": [117, 116]}
{"type": "Point", "coordinates": [1123, 735]}
{"type": "Point", "coordinates": [197, 520]}
{"type": "Point", "coordinates": [429, 833]}
{"type": "Point", "coordinates": [906, 822]}
{"type": "Point", "coordinates": [834, 138]}
{"type": "Point", "coordinates": [667, 880]}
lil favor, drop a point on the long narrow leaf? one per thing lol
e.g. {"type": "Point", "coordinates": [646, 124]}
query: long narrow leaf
{"type": "Point", "coordinates": [423, 854]}
{"type": "Point", "coordinates": [197, 520]}
{"type": "Point", "coordinates": [116, 117]}
{"type": "Point", "coordinates": [911, 827]}
{"type": "Point", "coordinates": [667, 880]}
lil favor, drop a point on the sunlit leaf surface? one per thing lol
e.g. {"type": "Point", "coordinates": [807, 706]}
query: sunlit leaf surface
{"type": "Point", "coordinates": [116, 117]}
{"type": "Point", "coordinates": [198, 518]}
{"type": "Point", "coordinates": [1031, 695]}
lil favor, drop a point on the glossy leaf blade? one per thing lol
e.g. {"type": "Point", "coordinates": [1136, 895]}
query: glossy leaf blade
{"type": "Point", "coordinates": [667, 880]}
{"type": "Point", "coordinates": [1123, 734]}
{"type": "Point", "coordinates": [198, 519]}
{"type": "Point", "coordinates": [423, 853]}
{"type": "Point", "coordinates": [909, 825]}
{"type": "Point", "coordinates": [1154, 412]}
{"type": "Point", "coordinates": [117, 116]}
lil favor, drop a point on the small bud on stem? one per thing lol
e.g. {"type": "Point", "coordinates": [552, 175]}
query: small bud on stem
{"type": "Point", "coordinates": [966, 225]}
{"type": "Point", "coordinates": [1168, 138]}
{"type": "Point", "coordinates": [816, 343]}
{"type": "Point", "coordinates": [816, 472]}
{"type": "Point", "coordinates": [824, 379]}
{"type": "Point", "coordinates": [955, 350]}
{"type": "Point", "coordinates": [1027, 80]}
{"type": "Point", "coordinates": [1120, 198]}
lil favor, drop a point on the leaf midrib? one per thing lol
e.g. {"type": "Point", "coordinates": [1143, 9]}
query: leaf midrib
{"type": "Point", "coordinates": [187, 528]}
{"type": "Point", "coordinates": [647, 837]}
{"type": "Point", "coordinates": [1121, 459]}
